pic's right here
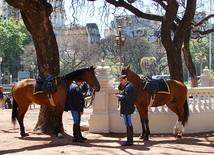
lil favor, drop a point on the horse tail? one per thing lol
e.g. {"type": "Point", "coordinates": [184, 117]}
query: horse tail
{"type": "Point", "coordinates": [14, 111]}
{"type": "Point", "coordinates": [186, 112]}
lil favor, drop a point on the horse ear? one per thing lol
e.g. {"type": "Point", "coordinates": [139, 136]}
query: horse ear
{"type": "Point", "coordinates": [91, 68]}
{"type": "Point", "coordinates": [128, 66]}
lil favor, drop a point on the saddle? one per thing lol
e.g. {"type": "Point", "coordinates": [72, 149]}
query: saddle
{"type": "Point", "coordinates": [48, 85]}
{"type": "Point", "coordinates": [152, 85]}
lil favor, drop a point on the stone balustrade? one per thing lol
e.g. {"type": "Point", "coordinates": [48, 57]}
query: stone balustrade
{"type": "Point", "coordinates": [106, 117]}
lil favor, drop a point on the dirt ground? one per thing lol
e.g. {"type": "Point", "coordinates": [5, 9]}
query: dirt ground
{"type": "Point", "coordinates": [12, 143]}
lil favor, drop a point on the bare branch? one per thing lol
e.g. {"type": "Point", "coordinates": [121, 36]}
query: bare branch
{"type": "Point", "coordinates": [203, 32]}
{"type": "Point", "coordinates": [135, 11]}
{"type": "Point", "coordinates": [204, 20]}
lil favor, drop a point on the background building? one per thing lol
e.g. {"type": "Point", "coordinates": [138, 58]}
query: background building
{"type": "Point", "coordinates": [93, 33]}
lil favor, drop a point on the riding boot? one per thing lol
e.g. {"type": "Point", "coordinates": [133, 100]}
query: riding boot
{"type": "Point", "coordinates": [80, 134]}
{"type": "Point", "coordinates": [75, 133]}
{"type": "Point", "coordinates": [129, 136]}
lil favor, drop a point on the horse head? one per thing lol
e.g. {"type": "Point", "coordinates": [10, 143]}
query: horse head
{"type": "Point", "coordinates": [91, 79]}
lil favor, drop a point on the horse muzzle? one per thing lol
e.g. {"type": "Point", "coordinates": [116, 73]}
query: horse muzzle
{"type": "Point", "coordinates": [120, 87]}
{"type": "Point", "coordinates": [96, 88]}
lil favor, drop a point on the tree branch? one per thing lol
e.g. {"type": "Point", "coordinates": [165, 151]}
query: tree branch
{"type": "Point", "coordinates": [204, 20]}
{"type": "Point", "coordinates": [203, 32]}
{"type": "Point", "coordinates": [134, 10]}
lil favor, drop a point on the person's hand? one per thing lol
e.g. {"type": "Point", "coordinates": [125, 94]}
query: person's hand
{"type": "Point", "coordinates": [81, 112]}
{"type": "Point", "coordinates": [117, 95]}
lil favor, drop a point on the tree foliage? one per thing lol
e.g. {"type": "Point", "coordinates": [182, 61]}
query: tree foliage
{"type": "Point", "coordinates": [28, 57]}
{"type": "Point", "coordinates": [77, 52]}
{"type": "Point", "coordinates": [14, 36]}
{"type": "Point", "coordinates": [197, 46]}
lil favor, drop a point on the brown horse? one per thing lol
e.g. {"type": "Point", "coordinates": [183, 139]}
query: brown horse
{"type": "Point", "coordinates": [176, 101]}
{"type": "Point", "coordinates": [23, 94]}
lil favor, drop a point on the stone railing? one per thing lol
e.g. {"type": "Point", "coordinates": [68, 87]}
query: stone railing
{"type": "Point", "coordinates": [201, 99]}
{"type": "Point", "coordinates": [106, 117]}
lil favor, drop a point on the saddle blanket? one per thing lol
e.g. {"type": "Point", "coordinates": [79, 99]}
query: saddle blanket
{"type": "Point", "coordinates": [38, 87]}
{"type": "Point", "coordinates": [163, 88]}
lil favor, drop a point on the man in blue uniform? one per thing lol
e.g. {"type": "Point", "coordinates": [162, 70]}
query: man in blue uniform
{"type": "Point", "coordinates": [126, 99]}
{"type": "Point", "coordinates": [75, 103]}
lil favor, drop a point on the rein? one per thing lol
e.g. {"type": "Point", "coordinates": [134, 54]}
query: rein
{"type": "Point", "coordinates": [93, 94]}
{"type": "Point", "coordinates": [140, 90]}
{"type": "Point", "coordinates": [92, 99]}
{"type": "Point", "coordinates": [93, 84]}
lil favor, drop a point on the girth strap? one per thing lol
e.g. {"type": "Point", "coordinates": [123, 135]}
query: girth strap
{"type": "Point", "coordinates": [51, 100]}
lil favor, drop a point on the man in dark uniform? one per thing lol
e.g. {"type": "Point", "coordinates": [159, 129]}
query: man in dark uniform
{"type": "Point", "coordinates": [1, 93]}
{"type": "Point", "coordinates": [126, 99]}
{"type": "Point", "coordinates": [75, 103]}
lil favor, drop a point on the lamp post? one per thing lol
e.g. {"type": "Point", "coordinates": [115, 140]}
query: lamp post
{"type": "Point", "coordinates": [33, 67]}
{"type": "Point", "coordinates": [201, 60]}
{"type": "Point", "coordinates": [120, 42]}
{"type": "Point", "coordinates": [0, 70]}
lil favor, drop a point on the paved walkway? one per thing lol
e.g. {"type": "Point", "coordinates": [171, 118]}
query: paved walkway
{"type": "Point", "coordinates": [97, 143]}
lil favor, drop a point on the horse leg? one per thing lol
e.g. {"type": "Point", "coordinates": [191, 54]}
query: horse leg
{"type": "Point", "coordinates": [143, 129]}
{"type": "Point", "coordinates": [146, 138]}
{"type": "Point", "coordinates": [145, 123]}
{"type": "Point", "coordinates": [59, 127]}
{"type": "Point", "coordinates": [178, 128]}
{"type": "Point", "coordinates": [20, 118]}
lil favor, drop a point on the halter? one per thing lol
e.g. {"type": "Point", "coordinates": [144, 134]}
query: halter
{"type": "Point", "coordinates": [90, 76]}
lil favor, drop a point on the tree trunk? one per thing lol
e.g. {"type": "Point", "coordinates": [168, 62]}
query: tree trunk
{"type": "Point", "coordinates": [188, 60]}
{"type": "Point", "coordinates": [173, 49]}
{"type": "Point", "coordinates": [175, 63]}
{"type": "Point", "coordinates": [35, 14]}
{"type": "Point", "coordinates": [49, 121]}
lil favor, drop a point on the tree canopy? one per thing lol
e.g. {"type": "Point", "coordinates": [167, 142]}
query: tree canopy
{"type": "Point", "coordinates": [14, 36]}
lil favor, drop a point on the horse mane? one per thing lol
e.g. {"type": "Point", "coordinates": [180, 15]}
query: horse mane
{"type": "Point", "coordinates": [74, 74]}
{"type": "Point", "coordinates": [135, 74]}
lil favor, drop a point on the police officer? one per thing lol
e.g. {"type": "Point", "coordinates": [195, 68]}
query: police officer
{"type": "Point", "coordinates": [127, 106]}
{"type": "Point", "coordinates": [75, 103]}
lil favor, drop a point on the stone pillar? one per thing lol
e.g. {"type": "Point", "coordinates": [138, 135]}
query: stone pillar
{"type": "Point", "coordinates": [205, 78]}
{"type": "Point", "coordinates": [104, 101]}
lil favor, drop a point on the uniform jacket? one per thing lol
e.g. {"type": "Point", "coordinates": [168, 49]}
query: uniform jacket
{"type": "Point", "coordinates": [74, 98]}
{"type": "Point", "coordinates": [1, 94]}
{"type": "Point", "coordinates": [127, 99]}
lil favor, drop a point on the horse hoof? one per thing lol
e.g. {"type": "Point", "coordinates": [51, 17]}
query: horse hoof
{"type": "Point", "coordinates": [25, 135]}
{"type": "Point", "coordinates": [146, 139]}
{"type": "Point", "coordinates": [179, 136]}
{"type": "Point", "coordinates": [59, 135]}
{"type": "Point", "coordinates": [141, 137]}
{"type": "Point", "coordinates": [175, 135]}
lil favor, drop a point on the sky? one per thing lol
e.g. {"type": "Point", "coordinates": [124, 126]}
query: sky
{"type": "Point", "coordinates": [87, 16]}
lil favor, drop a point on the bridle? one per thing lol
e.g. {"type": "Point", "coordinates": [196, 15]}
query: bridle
{"type": "Point", "coordinates": [93, 84]}
{"type": "Point", "coordinates": [93, 93]}
{"type": "Point", "coordinates": [92, 79]}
